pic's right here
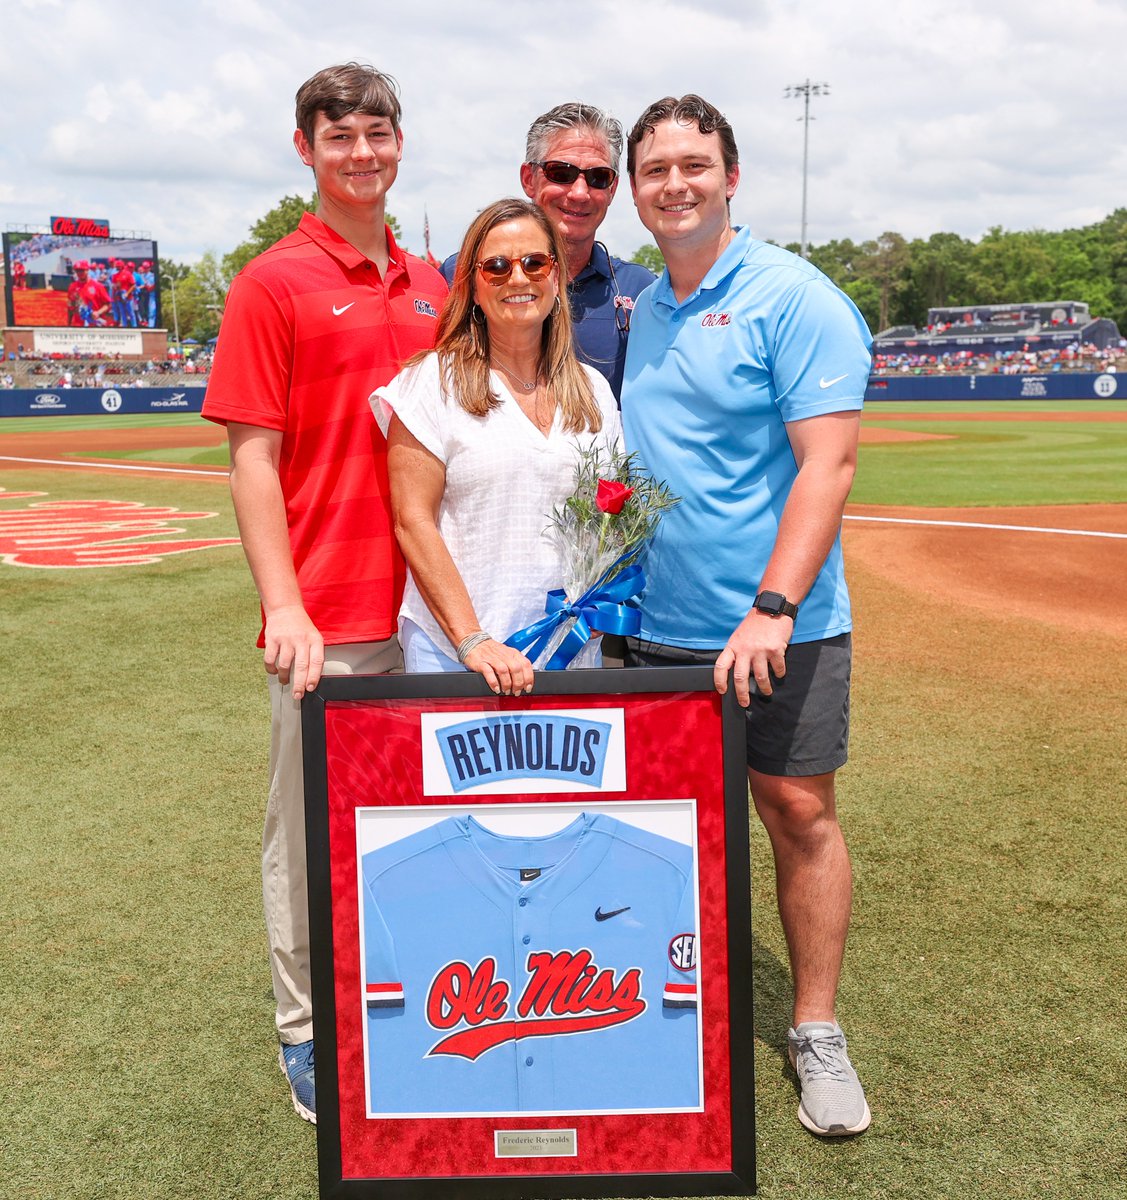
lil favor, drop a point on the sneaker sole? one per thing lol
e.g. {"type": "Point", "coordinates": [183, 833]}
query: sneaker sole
{"type": "Point", "coordinates": [306, 1114]}
{"type": "Point", "coordinates": [835, 1130]}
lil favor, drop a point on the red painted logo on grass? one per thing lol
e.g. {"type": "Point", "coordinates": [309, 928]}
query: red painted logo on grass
{"type": "Point", "coordinates": [95, 533]}
{"type": "Point", "coordinates": [566, 993]}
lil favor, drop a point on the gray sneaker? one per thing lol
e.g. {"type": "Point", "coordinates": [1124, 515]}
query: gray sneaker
{"type": "Point", "coordinates": [833, 1101]}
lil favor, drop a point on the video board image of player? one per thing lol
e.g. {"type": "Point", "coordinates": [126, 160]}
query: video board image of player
{"type": "Point", "coordinates": [530, 974]}
{"type": "Point", "coordinates": [52, 278]}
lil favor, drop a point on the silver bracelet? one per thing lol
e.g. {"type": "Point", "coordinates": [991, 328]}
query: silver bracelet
{"type": "Point", "coordinates": [471, 642]}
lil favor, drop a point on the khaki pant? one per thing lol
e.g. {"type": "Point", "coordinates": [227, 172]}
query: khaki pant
{"type": "Point", "coordinates": [285, 891]}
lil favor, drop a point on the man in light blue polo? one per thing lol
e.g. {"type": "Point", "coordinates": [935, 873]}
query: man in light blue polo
{"type": "Point", "coordinates": [744, 380]}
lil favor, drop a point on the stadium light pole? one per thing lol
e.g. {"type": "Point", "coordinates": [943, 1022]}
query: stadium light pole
{"type": "Point", "coordinates": [175, 314]}
{"type": "Point", "coordinates": [805, 90]}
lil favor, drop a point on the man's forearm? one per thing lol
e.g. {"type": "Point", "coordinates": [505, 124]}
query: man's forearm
{"type": "Point", "coordinates": [261, 514]}
{"type": "Point", "coordinates": [807, 529]}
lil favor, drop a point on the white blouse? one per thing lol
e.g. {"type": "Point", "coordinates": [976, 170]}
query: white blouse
{"type": "Point", "coordinates": [503, 479]}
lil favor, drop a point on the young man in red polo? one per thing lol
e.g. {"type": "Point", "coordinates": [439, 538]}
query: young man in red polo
{"type": "Point", "coordinates": [311, 327]}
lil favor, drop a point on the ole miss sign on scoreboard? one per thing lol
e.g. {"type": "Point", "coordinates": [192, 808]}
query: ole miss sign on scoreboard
{"type": "Point", "coordinates": [81, 226]}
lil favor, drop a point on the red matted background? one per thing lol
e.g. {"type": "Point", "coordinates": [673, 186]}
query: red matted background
{"type": "Point", "coordinates": [673, 751]}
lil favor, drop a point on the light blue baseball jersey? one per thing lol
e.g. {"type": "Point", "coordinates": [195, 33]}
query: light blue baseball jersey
{"type": "Point", "coordinates": [530, 974]}
{"type": "Point", "coordinates": [711, 383]}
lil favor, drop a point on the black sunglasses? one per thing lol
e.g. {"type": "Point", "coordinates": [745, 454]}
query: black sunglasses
{"type": "Point", "coordinates": [497, 269]}
{"type": "Point", "coordinates": [555, 171]}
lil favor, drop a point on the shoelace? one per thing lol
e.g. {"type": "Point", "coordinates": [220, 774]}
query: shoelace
{"type": "Point", "coordinates": [827, 1059]}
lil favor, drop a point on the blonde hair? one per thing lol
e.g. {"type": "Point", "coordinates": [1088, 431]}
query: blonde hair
{"type": "Point", "coordinates": [462, 344]}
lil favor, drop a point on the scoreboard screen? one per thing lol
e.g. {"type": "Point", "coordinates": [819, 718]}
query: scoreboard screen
{"type": "Point", "coordinates": [79, 280]}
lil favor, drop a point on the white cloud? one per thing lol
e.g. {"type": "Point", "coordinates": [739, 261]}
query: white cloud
{"type": "Point", "coordinates": [177, 119]}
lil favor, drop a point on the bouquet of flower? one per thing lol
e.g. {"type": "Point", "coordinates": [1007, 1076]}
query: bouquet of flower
{"type": "Point", "coordinates": [603, 529]}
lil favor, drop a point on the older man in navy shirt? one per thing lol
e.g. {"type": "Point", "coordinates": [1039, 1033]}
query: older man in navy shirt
{"type": "Point", "coordinates": [571, 172]}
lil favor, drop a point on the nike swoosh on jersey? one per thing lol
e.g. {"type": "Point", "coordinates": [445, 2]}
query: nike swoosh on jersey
{"type": "Point", "coordinates": [606, 916]}
{"type": "Point", "coordinates": [825, 383]}
{"type": "Point", "coordinates": [337, 311]}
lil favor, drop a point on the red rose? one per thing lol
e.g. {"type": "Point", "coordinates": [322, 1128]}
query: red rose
{"type": "Point", "coordinates": [611, 495]}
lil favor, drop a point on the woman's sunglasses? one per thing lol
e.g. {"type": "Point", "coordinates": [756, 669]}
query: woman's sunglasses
{"type": "Point", "coordinates": [599, 178]}
{"type": "Point", "coordinates": [498, 268]}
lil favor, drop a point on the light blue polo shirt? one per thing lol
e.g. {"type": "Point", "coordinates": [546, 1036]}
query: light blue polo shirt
{"type": "Point", "coordinates": [709, 386]}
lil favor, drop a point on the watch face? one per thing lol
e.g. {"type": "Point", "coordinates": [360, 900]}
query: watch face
{"type": "Point", "coordinates": [770, 602]}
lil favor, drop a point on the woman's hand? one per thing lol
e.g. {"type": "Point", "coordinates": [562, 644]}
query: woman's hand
{"type": "Point", "coordinates": [505, 670]}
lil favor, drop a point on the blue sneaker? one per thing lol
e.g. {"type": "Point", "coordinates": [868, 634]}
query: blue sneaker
{"type": "Point", "coordinates": [297, 1066]}
{"type": "Point", "coordinates": [833, 1101]}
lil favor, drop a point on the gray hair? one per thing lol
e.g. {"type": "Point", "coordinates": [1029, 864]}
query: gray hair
{"type": "Point", "coordinates": [573, 115]}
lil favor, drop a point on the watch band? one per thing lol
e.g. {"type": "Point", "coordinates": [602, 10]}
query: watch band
{"type": "Point", "coordinates": [775, 604]}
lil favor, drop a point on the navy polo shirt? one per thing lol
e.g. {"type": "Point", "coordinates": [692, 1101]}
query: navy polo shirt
{"type": "Point", "coordinates": [602, 299]}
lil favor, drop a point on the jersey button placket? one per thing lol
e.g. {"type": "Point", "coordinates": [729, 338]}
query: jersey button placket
{"type": "Point", "coordinates": [526, 930]}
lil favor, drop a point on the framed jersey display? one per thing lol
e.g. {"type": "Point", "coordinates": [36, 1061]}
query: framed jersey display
{"type": "Point", "coordinates": [531, 936]}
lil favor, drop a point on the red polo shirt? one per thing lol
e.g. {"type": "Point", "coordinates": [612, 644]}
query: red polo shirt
{"type": "Point", "coordinates": [310, 329]}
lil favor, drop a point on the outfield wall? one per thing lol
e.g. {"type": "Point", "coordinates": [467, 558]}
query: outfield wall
{"type": "Point", "coordinates": [81, 402]}
{"type": "Point", "coordinates": [1065, 385]}
{"type": "Point", "coordinates": [46, 402]}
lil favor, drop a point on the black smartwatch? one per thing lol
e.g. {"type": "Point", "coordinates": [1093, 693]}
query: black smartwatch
{"type": "Point", "coordinates": [775, 604]}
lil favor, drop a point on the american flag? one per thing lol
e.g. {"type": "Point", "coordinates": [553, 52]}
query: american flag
{"type": "Point", "coordinates": [426, 242]}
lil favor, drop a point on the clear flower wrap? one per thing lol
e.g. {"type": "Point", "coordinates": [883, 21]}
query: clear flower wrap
{"type": "Point", "coordinates": [602, 529]}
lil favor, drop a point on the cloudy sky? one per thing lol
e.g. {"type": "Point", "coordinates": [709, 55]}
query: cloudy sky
{"type": "Point", "coordinates": [176, 118]}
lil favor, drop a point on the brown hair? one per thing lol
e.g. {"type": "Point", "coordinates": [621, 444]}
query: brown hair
{"type": "Point", "coordinates": [348, 88]}
{"type": "Point", "coordinates": [689, 110]}
{"type": "Point", "coordinates": [462, 344]}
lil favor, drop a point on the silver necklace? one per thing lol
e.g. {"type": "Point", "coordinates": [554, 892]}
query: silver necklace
{"type": "Point", "coordinates": [528, 387]}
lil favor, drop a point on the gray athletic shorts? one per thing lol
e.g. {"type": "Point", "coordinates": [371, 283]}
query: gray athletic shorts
{"type": "Point", "coordinates": [802, 728]}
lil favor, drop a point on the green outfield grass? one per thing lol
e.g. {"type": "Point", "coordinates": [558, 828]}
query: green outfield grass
{"type": "Point", "coordinates": [976, 462]}
{"type": "Point", "coordinates": [217, 456]}
{"type": "Point", "coordinates": [99, 421]}
{"type": "Point", "coordinates": [995, 463]}
{"type": "Point", "coordinates": [983, 805]}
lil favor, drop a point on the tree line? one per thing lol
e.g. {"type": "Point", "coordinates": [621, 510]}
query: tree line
{"type": "Point", "coordinates": [192, 297]}
{"type": "Point", "coordinates": [892, 280]}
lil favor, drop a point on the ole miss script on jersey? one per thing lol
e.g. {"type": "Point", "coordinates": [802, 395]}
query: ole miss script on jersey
{"type": "Point", "coordinates": [530, 974]}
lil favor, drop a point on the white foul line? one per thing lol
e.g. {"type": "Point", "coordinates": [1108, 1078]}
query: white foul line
{"type": "Point", "coordinates": [220, 472]}
{"type": "Point", "coordinates": [983, 525]}
{"type": "Point", "coordinates": [215, 473]}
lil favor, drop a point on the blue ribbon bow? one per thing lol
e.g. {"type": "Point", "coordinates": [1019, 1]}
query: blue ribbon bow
{"type": "Point", "coordinates": [610, 607]}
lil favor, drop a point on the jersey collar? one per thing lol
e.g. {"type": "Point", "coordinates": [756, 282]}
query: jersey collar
{"type": "Point", "coordinates": [345, 252]}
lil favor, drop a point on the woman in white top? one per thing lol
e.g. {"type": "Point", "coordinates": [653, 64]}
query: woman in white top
{"type": "Point", "coordinates": [483, 434]}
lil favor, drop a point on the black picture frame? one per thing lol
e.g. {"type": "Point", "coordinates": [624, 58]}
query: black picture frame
{"type": "Point", "coordinates": [349, 696]}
